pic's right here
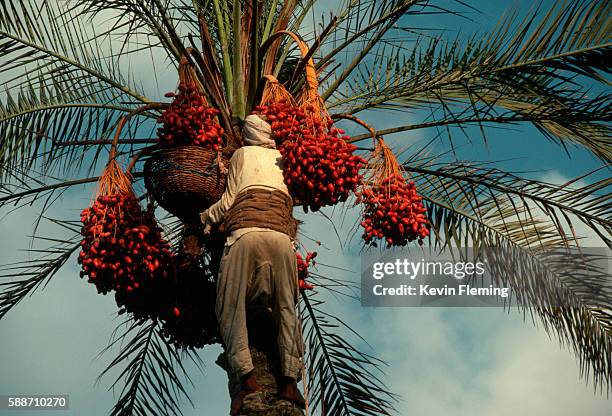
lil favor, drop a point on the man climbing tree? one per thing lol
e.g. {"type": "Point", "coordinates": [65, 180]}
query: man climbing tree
{"type": "Point", "coordinates": [258, 264]}
{"type": "Point", "coordinates": [158, 85]}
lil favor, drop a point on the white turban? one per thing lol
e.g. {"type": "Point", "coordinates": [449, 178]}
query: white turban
{"type": "Point", "coordinates": [257, 132]}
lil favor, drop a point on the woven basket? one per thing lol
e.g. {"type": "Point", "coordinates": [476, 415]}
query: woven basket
{"type": "Point", "coordinates": [185, 180]}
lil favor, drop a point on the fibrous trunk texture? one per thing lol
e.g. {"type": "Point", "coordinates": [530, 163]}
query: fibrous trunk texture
{"type": "Point", "coordinates": [264, 352]}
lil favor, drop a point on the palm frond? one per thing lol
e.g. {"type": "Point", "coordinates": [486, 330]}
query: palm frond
{"type": "Point", "coordinates": [16, 194]}
{"type": "Point", "coordinates": [381, 19]}
{"type": "Point", "coordinates": [526, 72]}
{"type": "Point", "coordinates": [152, 373]}
{"type": "Point", "coordinates": [21, 279]}
{"type": "Point", "coordinates": [58, 89]}
{"type": "Point", "coordinates": [136, 20]}
{"type": "Point", "coordinates": [561, 204]}
{"type": "Point", "coordinates": [341, 379]}
{"type": "Point", "coordinates": [522, 245]}
{"type": "Point", "coordinates": [36, 128]}
{"type": "Point", "coordinates": [49, 40]}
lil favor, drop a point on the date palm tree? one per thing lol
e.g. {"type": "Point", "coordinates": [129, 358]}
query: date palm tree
{"type": "Point", "coordinates": [67, 81]}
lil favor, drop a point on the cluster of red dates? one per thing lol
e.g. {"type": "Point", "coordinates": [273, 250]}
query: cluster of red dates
{"type": "Point", "coordinates": [303, 264]}
{"type": "Point", "coordinates": [189, 121]}
{"type": "Point", "coordinates": [393, 212]}
{"type": "Point", "coordinates": [319, 166]}
{"type": "Point", "coordinates": [123, 250]}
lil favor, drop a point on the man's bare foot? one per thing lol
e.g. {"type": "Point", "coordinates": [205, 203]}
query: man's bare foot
{"type": "Point", "coordinates": [289, 391]}
{"type": "Point", "coordinates": [249, 385]}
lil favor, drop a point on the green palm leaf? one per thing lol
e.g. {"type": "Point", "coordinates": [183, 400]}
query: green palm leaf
{"type": "Point", "coordinates": [466, 184]}
{"type": "Point", "coordinates": [58, 88]}
{"type": "Point", "coordinates": [516, 73]}
{"type": "Point", "coordinates": [525, 233]}
{"type": "Point", "coordinates": [341, 379]}
{"type": "Point", "coordinates": [21, 279]}
{"type": "Point", "coordinates": [152, 373]}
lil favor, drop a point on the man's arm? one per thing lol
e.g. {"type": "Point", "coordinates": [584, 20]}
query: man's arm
{"type": "Point", "coordinates": [216, 212]}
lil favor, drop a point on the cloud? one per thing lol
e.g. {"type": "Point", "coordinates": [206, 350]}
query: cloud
{"type": "Point", "coordinates": [460, 361]}
{"type": "Point", "coordinates": [477, 362]}
{"type": "Point", "coordinates": [535, 377]}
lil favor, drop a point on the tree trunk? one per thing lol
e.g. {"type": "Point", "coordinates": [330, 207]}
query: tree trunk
{"type": "Point", "coordinates": [264, 352]}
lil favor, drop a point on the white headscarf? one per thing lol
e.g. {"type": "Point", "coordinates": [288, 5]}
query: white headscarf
{"type": "Point", "coordinates": [257, 132]}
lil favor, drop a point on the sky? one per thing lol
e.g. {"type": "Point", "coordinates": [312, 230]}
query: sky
{"type": "Point", "coordinates": [454, 362]}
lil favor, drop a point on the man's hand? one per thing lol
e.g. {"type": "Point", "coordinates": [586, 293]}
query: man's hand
{"type": "Point", "coordinates": [204, 217]}
{"type": "Point", "coordinates": [206, 230]}
{"type": "Point", "coordinates": [207, 226]}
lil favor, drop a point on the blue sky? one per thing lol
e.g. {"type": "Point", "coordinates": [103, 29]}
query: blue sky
{"type": "Point", "coordinates": [454, 362]}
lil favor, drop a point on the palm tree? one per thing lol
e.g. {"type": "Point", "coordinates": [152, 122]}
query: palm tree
{"type": "Point", "coordinates": [67, 83]}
